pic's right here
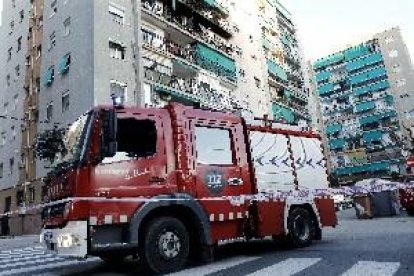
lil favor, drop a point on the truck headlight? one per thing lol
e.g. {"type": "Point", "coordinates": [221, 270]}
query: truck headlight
{"type": "Point", "coordinates": [68, 240]}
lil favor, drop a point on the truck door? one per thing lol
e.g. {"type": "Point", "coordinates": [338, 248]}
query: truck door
{"type": "Point", "coordinates": [218, 170]}
{"type": "Point", "coordinates": [221, 176]}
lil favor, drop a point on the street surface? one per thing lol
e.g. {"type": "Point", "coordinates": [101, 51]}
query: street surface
{"type": "Point", "coordinates": [381, 246]}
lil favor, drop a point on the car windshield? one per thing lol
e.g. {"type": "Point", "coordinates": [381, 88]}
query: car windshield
{"type": "Point", "coordinates": [73, 141]}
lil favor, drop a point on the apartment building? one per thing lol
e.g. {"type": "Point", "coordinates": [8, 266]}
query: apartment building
{"type": "Point", "coordinates": [366, 98]}
{"type": "Point", "coordinates": [76, 54]}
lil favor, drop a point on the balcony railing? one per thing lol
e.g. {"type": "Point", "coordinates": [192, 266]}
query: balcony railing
{"type": "Point", "coordinates": [189, 23]}
{"type": "Point", "coordinates": [193, 90]}
{"type": "Point", "coordinates": [222, 67]}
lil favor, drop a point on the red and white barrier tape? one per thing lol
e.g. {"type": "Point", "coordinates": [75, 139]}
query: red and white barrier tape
{"type": "Point", "coordinates": [373, 187]}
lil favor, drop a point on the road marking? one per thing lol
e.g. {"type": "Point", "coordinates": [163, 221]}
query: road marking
{"type": "Point", "coordinates": [215, 267]}
{"type": "Point", "coordinates": [367, 268]}
{"type": "Point", "coordinates": [25, 258]}
{"type": "Point", "coordinates": [287, 267]}
{"type": "Point", "coordinates": [31, 269]}
{"type": "Point", "coordinates": [32, 262]}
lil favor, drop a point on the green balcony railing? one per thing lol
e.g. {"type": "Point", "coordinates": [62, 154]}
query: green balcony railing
{"type": "Point", "coordinates": [365, 61]}
{"type": "Point", "coordinates": [336, 144]}
{"type": "Point", "coordinates": [212, 60]}
{"type": "Point", "coordinates": [368, 75]}
{"type": "Point", "coordinates": [362, 107]}
{"type": "Point", "coordinates": [376, 118]}
{"type": "Point", "coordinates": [378, 86]}
{"type": "Point", "coordinates": [276, 70]}
{"type": "Point", "coordinates": [326, 89]}
{"type": "Point", "coordinates": [332, 129]}
{"type": "Point", "coordinates": [356, 52]}
{"type": "Point", "coordinates": [282, 113]}
{"type": "Point", "coordinates": [322, 76]}
{"type": "Point", "coordinates": [332, 59]}
{"type": "Point", "coordinates": [372, 167]}
{"type": "Point", "coordinates": [373, 136]}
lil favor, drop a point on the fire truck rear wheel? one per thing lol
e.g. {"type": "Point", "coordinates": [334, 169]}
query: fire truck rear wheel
{"type": "Point", "coordinates": [166, 246]}
{"type": "Point", "coordinates": [301, 228]}
{"type": "Point", "coordinates": [410, 211]}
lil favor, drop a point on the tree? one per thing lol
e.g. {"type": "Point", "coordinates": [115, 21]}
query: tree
{"type": "Point", "coordinates": [49, 143]}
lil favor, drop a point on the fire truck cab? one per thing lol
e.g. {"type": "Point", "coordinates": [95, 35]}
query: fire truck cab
{"type": "Point", "coordinates": [170, 183]}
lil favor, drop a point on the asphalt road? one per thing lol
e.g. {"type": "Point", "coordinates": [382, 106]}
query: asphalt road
{"type": "Point", "coordinates": [381, 246]}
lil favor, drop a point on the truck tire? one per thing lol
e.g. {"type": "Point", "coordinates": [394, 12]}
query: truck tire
{"type": "Point", "coordinates": [410, 212]}
{"type": "Point", "coordinates": [301, 228]}
{"type": "Point", "coordinates": [166, 245]}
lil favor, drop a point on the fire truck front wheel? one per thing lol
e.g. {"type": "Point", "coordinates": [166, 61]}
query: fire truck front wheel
{"type": "Point", "coordinates": [301, 228]}
{"type": "Point", "coordinates": [165, 248]}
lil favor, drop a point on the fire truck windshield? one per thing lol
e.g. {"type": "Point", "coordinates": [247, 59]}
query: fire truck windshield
{"type": "Point", "coordinates": [73, 141]}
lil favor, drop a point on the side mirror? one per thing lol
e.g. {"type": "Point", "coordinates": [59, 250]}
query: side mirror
{"type": "Point", "coordinates": [109, 127]}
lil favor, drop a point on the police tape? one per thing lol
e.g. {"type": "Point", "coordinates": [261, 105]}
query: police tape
{"type": "Point", "coordinates": [304, 193]}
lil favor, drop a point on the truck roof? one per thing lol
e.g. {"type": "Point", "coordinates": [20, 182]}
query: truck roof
{"type": "Point", "coordinates": [252, 124]}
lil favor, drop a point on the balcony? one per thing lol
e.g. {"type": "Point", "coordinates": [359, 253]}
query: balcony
{"type": "Point", "coordinates": [198, 54]}
{"type": "Point", "coordinates": [276, 70]}
{"type": "Point", "coordinates": [368, 75]}
{"type": "Point", "coordinates": [376, 118]}
{"type": "Point", "coordinates": [283, 113]}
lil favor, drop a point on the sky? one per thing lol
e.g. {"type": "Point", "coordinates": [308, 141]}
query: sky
{"type": "Point", "coordinates": [326, 26]}
{"type": "Point", "coordinates": [329, 25]}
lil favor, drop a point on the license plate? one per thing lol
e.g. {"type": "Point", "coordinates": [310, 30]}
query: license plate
{"type": "Point", "coordinates": [48, 236]}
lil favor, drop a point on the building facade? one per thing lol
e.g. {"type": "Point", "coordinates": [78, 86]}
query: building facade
{"type": "Point", "coordinates": [366, 99]}
{"type": "Point", "coordinates": [64, 57]}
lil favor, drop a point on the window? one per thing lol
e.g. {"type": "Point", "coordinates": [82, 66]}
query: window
{"type": "Point", "coordinates": [39, 51]}
{"type": "Point", "coordinates": [32, 194]}
{"type": "Point", "coordinates": [117, 14]}
{"type": "Point", "coordinates": [65, 102]}
{"type": "Point", "coordinates": [6, 108]}
{"type": "Point", "coordinates": [213, 146]}
{"type": "Point", "coordinates": [1, 170]}
{"type": "Point", "coordinates": [393, 53]}
{"type": "Point", "coordinates": [8, 80]}
{"type": "Point", "coordinates": [21, 16]}
{"type": "Point", "coordinates": [64, 64]}
{"type": "Point", "coordinates": [49, 111]}
{"type": "Point", "coordinates": [17, 69]}
{"type": "Point", "coordinates": [52, 39]}
{"type": "Point", "coordinates": [13, 3]}
{"type": "Point", "coordinates": [136, 139]}
{"type": "Point", "coordinates": [20, 198]}
{"type": "Point", "coordinates": [396, 68]}
{"type": "Point", "coordinates": [19, 44]}
{"type": "Point", "coordinates": [118, 89]}
{"type": "Point", "coordinates": [13, 131]}
{"type": "Point", "coordinates": [53, 6]}
{"type": "Point", "coordinates": [9, 53]}
{"type": "Point", "coordinates": [400, 82]}
{"type": "Point", "coordinates": [7, 204]}
{"type": "Point", "coordinates": [11, 27]}
{"type": "Point", "coordinates": [66, 26]}
{"type": "Point", "coordinates": [11, 165]}
{"type": "Point", "coordinates": [116, 50]}
{"type": "Point", "coordinates": [16, 101]}
{"type": "Point", "coordinates": [3, 139]}
{"type": "Point", "coordinates": [389, 40]}
{"type": "Point", "coordinates": [40, 22]}
{"type": "Point", "coordinates": [49, 76]}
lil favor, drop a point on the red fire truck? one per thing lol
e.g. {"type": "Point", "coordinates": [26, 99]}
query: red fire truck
{"type": "Point", "coordinates": [407, 195]}
{"type": "Point", "coordinates": [170, 183]}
